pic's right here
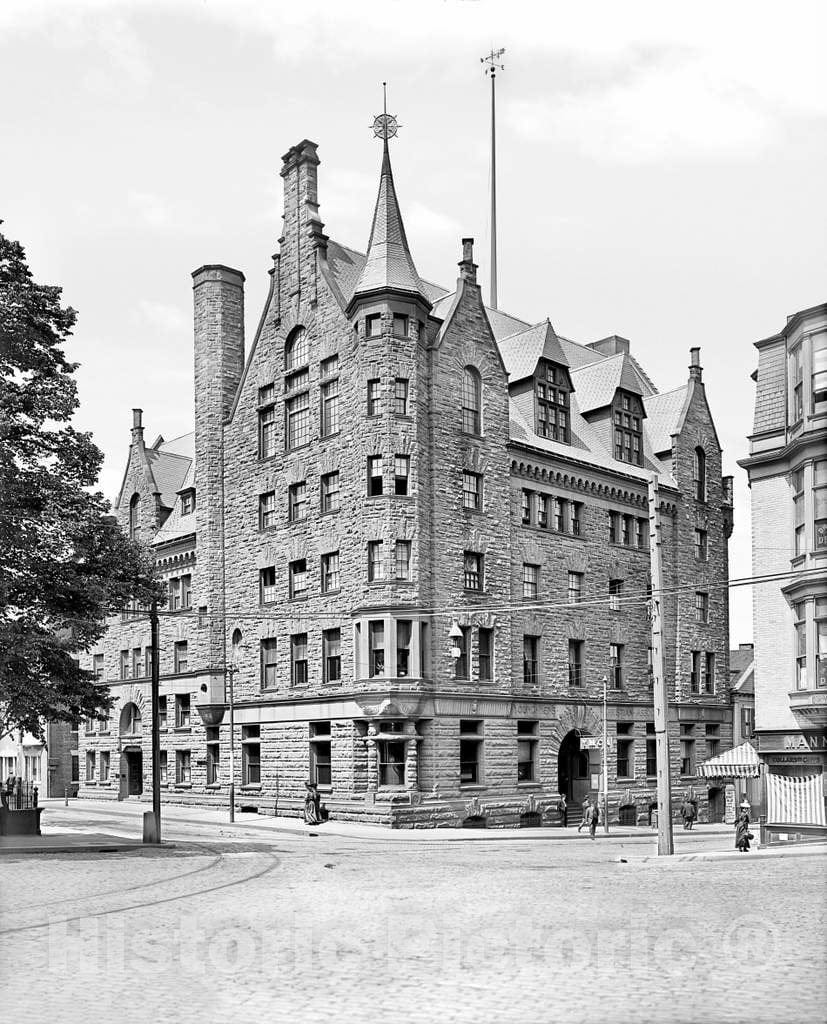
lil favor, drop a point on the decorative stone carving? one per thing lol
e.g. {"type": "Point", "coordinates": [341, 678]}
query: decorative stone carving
{"type": "Point", "coordinates": [474, 809]}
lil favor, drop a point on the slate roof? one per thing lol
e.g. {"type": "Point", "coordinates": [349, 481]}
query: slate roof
{"type": "Point", "coordinates": [169, 470]}
{"type": "Point", "coordinates": [662, 415]}
{"type": "Point", "coordinates": [388, 264]}
{"type": "Point", "coordinates": [346, 266]}
{"type": "Point", "coordinates": [521, 352]}
{"type": "Point", "coordinates": [596, 383]}
{"type": "Point", "coordinates": [177, 525]}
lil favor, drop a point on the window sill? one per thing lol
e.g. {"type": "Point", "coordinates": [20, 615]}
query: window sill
{"type": "Point", "coordinates": [91, 782]}
{"type": "Point", "coordinates": [529, 784]}
{"type": "Point", "coordinates": [213, 786]}
{"type": "Point", "coordinates": [297, 600]}
{"type": "Point", "coordinates": [468, 787]}
{"type": "Point", "coordinates": [330, 511]}
{"type": "Point", "coordinates": [251, 787]}
{"type": "Point", "coordinates": [183, 785]}
{"type": "Point", "coordinates": [298, 447]}
{"type": "Point", "coordinates": [105, 732]}
{"type": "Point", "coordinates": [182, 728]}
{"type": "Point", "coordinates": [333, 590]}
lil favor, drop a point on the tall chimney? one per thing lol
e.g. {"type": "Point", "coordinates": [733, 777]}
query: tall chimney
{"type": "Point", "coordinates": [695, 368]}
{"type": "Point", "coordinates": [137, 426]}
{"type": "Point", "coordinates": [467, 266]}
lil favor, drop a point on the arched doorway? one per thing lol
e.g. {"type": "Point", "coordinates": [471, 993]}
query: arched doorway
{"type": "Point", "coordinates": [132, 761]}
{"type": "Point", "coordinates": [572, 769]}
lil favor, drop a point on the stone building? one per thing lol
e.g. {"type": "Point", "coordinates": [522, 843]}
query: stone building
{"type": "Point", "coordinates": [48, 761]}
{"type": "Point", "coordinates": [787, 467]}
{"type": "Point", "coordinates": [410, 533]}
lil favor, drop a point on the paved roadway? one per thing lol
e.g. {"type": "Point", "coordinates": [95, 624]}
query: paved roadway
{"type": "Point", "coordinates": [274, 926]}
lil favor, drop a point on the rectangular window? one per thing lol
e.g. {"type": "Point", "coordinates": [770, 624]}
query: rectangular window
{"type": "Point", "coordinates": [400, 325]}
{"type": "Point", "coordinates": [543, 505]}
{"type": "Point", "coordinates": [695, 674]}
{"type": "Point", "coordinates": [330, 407]}
{"type": "Point", "coordinates": [267, 585]}
{"type": "Point", "coordinates": [251, 755]}
{"type": "Point", "coordinates": [75, 777]}
{"type": "Point", "coordinates": [89, 725]}
{"type": "Point", "coordinates": [97, 666]}
{"type": "Point", "coordinates": [90, 766]}
{"type": "Point", "coordinates": [400, 396]}
{"type": "Point", "coordinates": [470, 752]}
{"type": "Point", "coordinates": [330, 572]}
{"type": "Point", "coordinates": [820, 622]}
{"type": "Point", "coordinates": [642, 534]}
{"type": "Point", "coordinates": [531, 659]}
{"type": "Point", "coordinates": [298, 659]}
{"type": "Point", "coordinates": [174, 594]}
{"type": "Point", "coordinates": [376, 563]}
{"type": "Point", "coordinates": [391, 760]}
{"type": "Point", "coordinates": [373, 325]}
{"type": "Point", "coordinates": [186, 591]}
{"type": "Point", "coordinates": [627, 530]}
{"type": "Point", "coordinates": [320, 754]}
{"type": "Point", "coordinates": [330, 492]}
{"type": "Point", "coordinates": [701, 606]}
{"type": "Point", "coordinates": [472, 570]}
{"type": "Point", "coordinates": [651, 750]}
{"type": "Point", "coordinates": [163, 761]}
{"type": "Point", "coordinates": [267, 432]}
{"type": "Point", "coordinates": [575, 591]}
{"type": "Point", "coordinates": [137, 662]}
{"type": "Point", "coordinates": [126, 665]}
{"type": "Point", "coordinates": [374, 396]}
{"type": "Point", "coordinates": [799, 610]}
{"type": "Point", "coordinates": [331, 655]}
{"type": "Point", "coordinates": [701, 549]}
{"type": "Point", "coordinates": [615, 591]}
{"type": "Point", "coordinates": [401, 473]}
{"type": "Point", "coordinates": [181, 655]}
{"type": "Point", "coordinates": [297, 501]}
{"type": "Point", "coordinates": [820, 504]}
{"type": "Point", "coordinates": [625, 758]}
{"type": "Point", "coordinates": [269, 677]}
{"type": "Point", "coordinates": [187, 503]}
{"type": "Point", "coordinates": [526, 508]}
{"type": "Point", "coordinates": [616, 666]}
{"type": "Point", "coordinates": [576, 662]}
{"type": "Point", "coordinates": [182, 710]}
{"type": "Point", "coordinates": [713, 739]}
{"type": "Point", "coordinates": [376, 647]}
{"type": "Point", "coordinates": [183, 767]}
{"type": "Point", "coordinates": [614, 527]}
{"type": "Point", "coordinates": [576, 517]}
{"type": "Point", "coordinates": [687, 749]}
{"type": "Point", "coordinates": [819, 377]}
{"type": "Point", "coordinates": [559, 516]}
{"type": "Point", "coordinates": [104, 766]}
{"type": "Point", "coordinates": [462, 665]}
{"type": "Point", "coordinates": [162, 712]}
{"type": "Point", "coordinates": [213, 756]}
{"type": "Point", "coordinates": [485, 641]}
{"type": "Point", "coordinates": [404, 631]}
{"type": "Point", "coordinates": [374, 475]}
{"type": "Point", "coordinates": [267, 510]}
{"type": "Point", "coordinates": [472, 491]}
{"type": "Point", "coordinates": [329, 367]}
{"type": "Point", "coordinates": [298, 420]}
{"type": "Point", "coordinates": [297, 579]}
{"type": "Point", "coordinates": [527, 743]}
{"type": "Point", "coordinates": [531, 581]}
{"type": "Point", "coordinates": [402, 559]}
{"type": "Point", "coordinates": [709, 672]}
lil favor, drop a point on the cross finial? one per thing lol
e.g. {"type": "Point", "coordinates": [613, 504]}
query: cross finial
{"type": "Point", "coordinates": [385, 125]}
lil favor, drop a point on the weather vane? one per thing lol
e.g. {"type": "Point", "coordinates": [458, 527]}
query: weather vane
{"type": "Point", "coordinates": [491, 61]}
{"type": "Point", "coordinates": [385, 125]}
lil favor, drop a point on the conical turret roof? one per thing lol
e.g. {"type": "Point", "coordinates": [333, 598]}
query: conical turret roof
{"type": "Point", "coordinates": [389, 265]}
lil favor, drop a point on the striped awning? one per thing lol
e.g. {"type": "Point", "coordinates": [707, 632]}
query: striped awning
{"type": "Point", "coordinates": [738, 763]}
{"type": "Point", "coordinates": [795, 799]}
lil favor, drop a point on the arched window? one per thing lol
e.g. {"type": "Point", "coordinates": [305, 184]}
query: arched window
{"type": "Point", "coordinates": [700, 474]}
{"type": "Point", "coordinates": [134, 516]}
{"type": "Point", "coordinates": [130, 724]}
{"type": "Point", "coordinates": [236, 648]}
{"type": "Point", "coordinates": [296, 349]}
{"type": "Point", "coordinates": [471, 400]}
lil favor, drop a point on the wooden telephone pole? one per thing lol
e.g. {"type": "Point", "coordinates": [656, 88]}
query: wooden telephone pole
{"type": "Point", "coordinates": [661, 696]}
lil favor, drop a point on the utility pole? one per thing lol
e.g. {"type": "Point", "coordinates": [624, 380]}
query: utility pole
{"type": "Point", "coordinates": [661, 697]}
{"type": "Point", "coordinates": [156, 721]}
{"type": "Point", "coordinates": [605, 760]}
{"type": "Point", "coordinates": [491, 69]}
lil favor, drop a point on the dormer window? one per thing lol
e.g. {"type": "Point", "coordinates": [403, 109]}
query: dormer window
{"type": "Point", "coordinates": [187, 503]}
{"type": "Point", "coordinates": [553, 388]}
{"type": "Point", "coordinates": [628, 428]}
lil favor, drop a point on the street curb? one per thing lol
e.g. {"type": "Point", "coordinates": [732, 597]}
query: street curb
{"type": "Point", "coordinates": [116, 846]}
{"type": "Point", "coordinates": [764, 853]}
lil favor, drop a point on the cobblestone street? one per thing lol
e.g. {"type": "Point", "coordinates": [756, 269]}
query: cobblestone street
{"type": "Point", "coordinates": [327, 927]}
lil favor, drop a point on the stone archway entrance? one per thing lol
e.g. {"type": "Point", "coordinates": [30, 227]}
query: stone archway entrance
{"type": "Point", "coordinates": [572, 769]}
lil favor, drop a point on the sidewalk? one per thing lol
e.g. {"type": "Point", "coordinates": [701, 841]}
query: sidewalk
{"type": "Point", "coordinates": [123, 832]}
{"type": "Point", "coordinates": [66, 842]}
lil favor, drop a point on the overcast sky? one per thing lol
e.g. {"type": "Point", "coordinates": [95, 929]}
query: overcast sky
{"type": "Point", "coordinates": [661, 173]}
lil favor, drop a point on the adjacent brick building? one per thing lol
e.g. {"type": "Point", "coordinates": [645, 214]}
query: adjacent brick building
{"type": "Point", "coordinates": [787, 468]}
{"type": "Point", "coordinates": [411, 533]}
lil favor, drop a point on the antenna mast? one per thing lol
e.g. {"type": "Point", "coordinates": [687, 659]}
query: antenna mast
{"type": "Point", "coordinates": [491, 66]}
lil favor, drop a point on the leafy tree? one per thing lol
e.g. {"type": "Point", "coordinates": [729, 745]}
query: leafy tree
{"type": "Point", "coordinates": [65, 564]}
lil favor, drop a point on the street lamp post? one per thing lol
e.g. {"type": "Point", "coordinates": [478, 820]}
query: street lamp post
{"type": "Point", "coordinates": [230, 669]}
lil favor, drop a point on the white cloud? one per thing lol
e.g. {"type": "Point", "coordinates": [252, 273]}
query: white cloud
{"type": "Point", "coordinates": [163, 317]}
{"type": "Point", "coordinates": [422, 220]}
{"type": "Point", "coordinates": [150, 210]}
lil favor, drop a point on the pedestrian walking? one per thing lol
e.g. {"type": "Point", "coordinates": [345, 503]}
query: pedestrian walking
{"type": "Point", "coordinates": [587, 814]}
{"type": "Point", "coordinates": [742, 833]}
{"type": "Point", "coordinates": [312, 800]}
{"type": "Point", "coordinates": [595, 814]}
{"type": "Point", "coordinates": [564, 811]}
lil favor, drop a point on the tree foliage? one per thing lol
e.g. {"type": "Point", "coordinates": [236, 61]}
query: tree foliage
{"type": "Point", "coordinates": [65, 564]}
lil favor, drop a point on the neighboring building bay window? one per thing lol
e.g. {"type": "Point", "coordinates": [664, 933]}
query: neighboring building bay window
{"type": "Point", "coordinates": [389, 648]}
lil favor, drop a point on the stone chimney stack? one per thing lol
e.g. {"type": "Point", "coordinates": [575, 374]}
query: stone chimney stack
{"type": "Point", "coordinates": [695, 368]}
{"type": "Point", "coordinates": [302, 232]}
{"type": "Point", "coordinates": [137, 426]}
{"type": "Point", "coordinates": [467, 266]}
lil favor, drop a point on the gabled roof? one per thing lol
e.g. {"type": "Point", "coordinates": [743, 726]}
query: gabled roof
{"type": "Point", "coordinates": [522, 351]}
{"type": "Point", "coordinates": [170, 465]}
{"type": "Point", "coordinates": [597, 383]}
{"type": "Point", "coordinates": [389, 265]}
{"type": "Point", "coordinates": [663, 413]}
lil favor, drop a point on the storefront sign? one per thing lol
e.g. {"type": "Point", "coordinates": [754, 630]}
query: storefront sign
{"type": "Point", "coordinates": [793, 742]}
{"type": "Point", "coordinates": [595, 742]}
